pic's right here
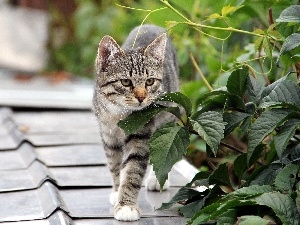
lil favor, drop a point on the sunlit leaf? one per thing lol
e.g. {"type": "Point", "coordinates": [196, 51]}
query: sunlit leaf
{"type": "Point", "coordinates": [229, 9]}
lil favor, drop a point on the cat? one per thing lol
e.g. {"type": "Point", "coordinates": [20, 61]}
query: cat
{"type": "Point", "coordinates": [129, 78]}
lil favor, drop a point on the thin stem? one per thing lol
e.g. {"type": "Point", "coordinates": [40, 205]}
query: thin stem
{"type": "Point", "coordinates": [230, 29]}
{"type": "Point", "coordinates": [232, 147]}
{"type": "Point", "coordinates": [200, 73]}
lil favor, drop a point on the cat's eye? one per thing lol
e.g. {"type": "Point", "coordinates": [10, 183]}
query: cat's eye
{"type": "Point", "coordinates": [126, 82]}
{"type": "Point", "coordinates": [150, 81]}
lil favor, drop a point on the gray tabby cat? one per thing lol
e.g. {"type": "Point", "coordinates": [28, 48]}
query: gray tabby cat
{"type": "Point", "coordinates": [129, 79]}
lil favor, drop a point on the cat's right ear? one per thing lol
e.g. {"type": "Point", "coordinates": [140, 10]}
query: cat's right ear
{"type": "Point", "coordinates": [108, 49]}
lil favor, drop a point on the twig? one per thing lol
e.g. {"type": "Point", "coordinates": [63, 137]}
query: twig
{"type": "Point", "coordinates": [200, 72]}
{"type": "Point", "coordinates": [232, 147]}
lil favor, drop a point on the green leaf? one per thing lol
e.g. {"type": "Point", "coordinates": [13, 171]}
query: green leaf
{"type": "Point", "coordinates": [290, 14]}
{"type": "Point", "coordinates": [228, 217]}
{"type": "Point", "coordinates": [183, 194]}
{"type": "Point", "coordinates": [286, 92]}
{"type": "Point", "coordinates": [249, 192]}
{"type": "Point", "coordinates": [282, 138]}
{"type": "Point", "coordinates": [190, 209]}
{"type": "Point", "coordinates": [210, 126]}
{"type": "Point", "coordinates": [216, 209]}
{"type": "Point", "coordinates": [266, 175]}
{"type": "Point", "coordinates": [286, 178]}
{"type": "Point", "coordinates": [267, 90]}
{"type": "Point", "coordinates": [167, 146]}
{"type": "Point", "coordinates": [214, 16]}
{"type": "Point", "coordinates": [199, 176]}
{"type": "Point", "coordinates": [220, 176]}
{"type": "Point", "coordinates": [180, 99]}
{"type": "Point", "coordinates": [291, 42]}
{"type": "Point", "coordinates": [267, 47]}
{"type": "Point", "coordinates": [258, 42]}
{"type": "Point", "coordinates": [233, 119]}
{"type": "Point", "coordinates": [254, 89]}
{"type": "Point", "coordinates": [137, 120]}
{"type": "Point", "coordinates": [262, 127]}
{"type": "Point", "coordinates": [252, 220]}
{"type": "Point", "coordinates": [237, 81]}
{"type": "Point", "coordinates": [283, 206]}
{"type": "Point", "coordinates": [229, 9]}
{"type": "Point", "coordinates": [240, 165]}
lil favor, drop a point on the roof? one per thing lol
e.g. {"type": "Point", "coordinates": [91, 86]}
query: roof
{"type": "Point", "coordinates": [53, 171]}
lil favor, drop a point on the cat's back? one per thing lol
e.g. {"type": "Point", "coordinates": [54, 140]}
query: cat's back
{"type": "Point", "coordinates": [142, 36]}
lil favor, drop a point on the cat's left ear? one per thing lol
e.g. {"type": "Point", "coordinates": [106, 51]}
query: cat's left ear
{"type": "Point", "coordinates": [157, 48]}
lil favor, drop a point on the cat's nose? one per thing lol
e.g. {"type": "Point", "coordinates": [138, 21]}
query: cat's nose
{"type": "Point", "coordinates": [140, 98]}
{"type": "Point", "coordinates": [140, 93]}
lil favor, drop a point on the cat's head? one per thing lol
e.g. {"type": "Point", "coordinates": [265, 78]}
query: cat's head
{"type": "Point", "coordinates": [130, 78]}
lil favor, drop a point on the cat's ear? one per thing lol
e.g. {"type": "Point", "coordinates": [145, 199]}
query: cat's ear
{"type": "Point", "coordinates": [157, 48]}
{"type": "Point", "coordinates": [108, 49]}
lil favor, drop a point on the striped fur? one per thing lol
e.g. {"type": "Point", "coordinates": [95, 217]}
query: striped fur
{"type": "Point", "coordinates": [129, 79]}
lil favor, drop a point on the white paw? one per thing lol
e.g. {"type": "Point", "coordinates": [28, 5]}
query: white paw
{"type": "Point", "coordinates": [127, 213]}
{"type": "Point", "coordinates": [152, 184]}
{"type": "Point", "coordinates": [113, 198]}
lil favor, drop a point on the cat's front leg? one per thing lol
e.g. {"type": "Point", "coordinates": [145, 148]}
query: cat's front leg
{"type": "Point", "coordinates": [114, 156]}
{"type": "Point", "coordinates": [132, 173]}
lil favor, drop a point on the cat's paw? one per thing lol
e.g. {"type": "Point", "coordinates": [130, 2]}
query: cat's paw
{"type": "Point", "coordinates": [127, 213]}
{"type": "Point", "coordinates": [113, 198]}
{"type": "Point", "coordinates": [152, 184]}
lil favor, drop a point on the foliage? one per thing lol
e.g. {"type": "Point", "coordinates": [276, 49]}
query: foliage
{"type": "Point", "coordinates": [263, 186]}
{"type": "Point", "coordinates": [274, 113]}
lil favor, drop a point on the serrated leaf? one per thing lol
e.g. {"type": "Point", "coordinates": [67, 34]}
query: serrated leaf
{"type": "Point", "coordinates": [266, 175]}
{"type": "Point", "coordinates": [199, 176]}
{"type": "Point", "coordinates": [183, 194]}
{"type": "Point", "coordinates": [228, 217]}
{"type": "Point", "coordinates": [216, 209]}
{"type": "Point", "coordinates": [291, 42]}
{"type": "Point", "coordinates": [240, 165]}
{"type": "Point", "coordinates": [229, 9]}
{"type": "Point", "coordinates": [220, 176]}
{"type": "Point", "coordinates": [210, 126]}
{"type": "Point", "coordinates": [179, 99]}
{"type": "Point", "coordinates": [267, 47]}
{"type": "Point", "coordinates": [252, 220]}
{"type": "Point", "coordinates": [237, 81]}
{"type": "Point", "coordinates": [233, 119]}
{"type": "Point", "coordinates": [190, 209]}
{"type": "Point", "coordinates": [255, 89]}
{"type": "Point", "coordinates": [262, 127]}
{"type": "Point", "coordinates": [283, 206]}
{"type": "Point", "coordinates": [283, 136]}
{"type": "Point", "coordinates": [137, 120]}
{"type": "Point", "coordinates": [251, 191]}
{"type": "Point", "coordinates": [286, 92]}
{"type": "Point", "coordinates": [167, 145]}
{"type": "Point", "coordinates": [286, 178]}
{"type": "Point", "coordinates": [267, 90]}
{"type": "Point", "coordinates": [290, 14]}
